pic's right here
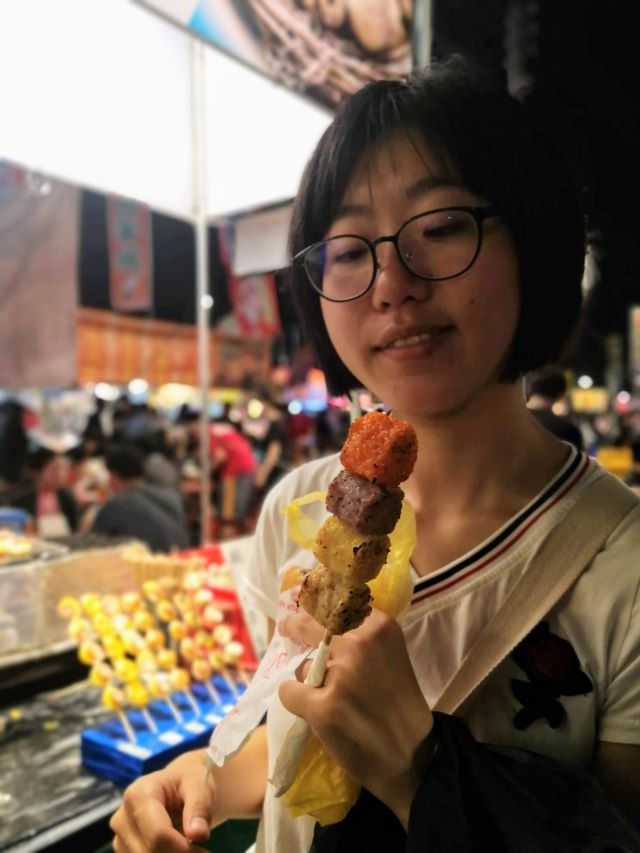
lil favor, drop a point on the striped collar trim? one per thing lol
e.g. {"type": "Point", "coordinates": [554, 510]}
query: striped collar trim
{"type": "Point", "coordinates": [572, 471]}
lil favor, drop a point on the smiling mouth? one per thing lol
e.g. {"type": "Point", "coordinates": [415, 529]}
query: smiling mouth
{"type": "Point", "coordinates": [415, 340]}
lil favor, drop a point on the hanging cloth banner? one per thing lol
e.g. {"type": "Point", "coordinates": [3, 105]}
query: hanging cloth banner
{"type": "Point", "coordinates": [130, 258]}
{"type": "Point", "coordinates": [255, 305]}
{"type": "Point", "coordinates": [38, 280]}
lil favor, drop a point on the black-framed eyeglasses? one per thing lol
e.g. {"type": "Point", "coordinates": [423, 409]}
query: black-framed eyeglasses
{"type": "Point", "coordinates": [435, 246]}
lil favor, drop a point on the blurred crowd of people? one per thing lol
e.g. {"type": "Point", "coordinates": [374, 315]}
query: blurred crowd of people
{"type": "Point", "coordinates": [136, 473]}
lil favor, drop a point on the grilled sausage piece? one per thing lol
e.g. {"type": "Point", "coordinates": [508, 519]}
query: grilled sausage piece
{"type": "Point", "coordinates": [364, 506]}
{"type": "Point", "coordinates": [335, 606]}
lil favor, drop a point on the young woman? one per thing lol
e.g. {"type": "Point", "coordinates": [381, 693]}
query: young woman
{"type": "Point", "coordinates": [438, 250]}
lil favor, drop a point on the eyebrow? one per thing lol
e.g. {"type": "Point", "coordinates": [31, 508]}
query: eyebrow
{"type": "Point", "coordinates": [420, 187]}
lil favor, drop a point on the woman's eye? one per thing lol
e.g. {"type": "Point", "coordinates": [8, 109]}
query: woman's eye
{"type": "Point", "coordinates": [349, 256]}
{"type": "Point", "coordinates": [440, 232]}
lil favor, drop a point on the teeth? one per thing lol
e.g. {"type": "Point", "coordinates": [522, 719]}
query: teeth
{"type": "Point", "coordinates": [412, 341]}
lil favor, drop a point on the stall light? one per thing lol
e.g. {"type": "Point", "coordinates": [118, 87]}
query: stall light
{"type": "Point", "coordinates": [255, 409]}
{"type": "Point", "coordinates": [105, 391]}
{"type": "Point", "coordinates": [313, 406]}
{"type": "Point", "coordinates": [623, 397]}
{"type": "Point", "coordinates": [585, 382]}
{"type": "Point", "coordinates": [138, 387]}
{"type": "Point", "coordinates": [206, 302]}
{"type": "Point", "coordinates": [294, 407]}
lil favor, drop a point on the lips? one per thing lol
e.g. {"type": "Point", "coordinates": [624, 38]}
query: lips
{"type": "Point", "coordinates": [404, 339]}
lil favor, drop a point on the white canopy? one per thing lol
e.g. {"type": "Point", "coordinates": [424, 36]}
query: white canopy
{"type": "Point", "coordinates": [98, 93]}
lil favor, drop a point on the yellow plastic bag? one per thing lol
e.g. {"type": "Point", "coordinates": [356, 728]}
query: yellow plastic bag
{"type": "Point", "coordinates": [321, 787]}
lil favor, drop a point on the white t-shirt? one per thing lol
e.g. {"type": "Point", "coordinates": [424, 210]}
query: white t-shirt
{"type": "Point", "coordinates": [576, 682]}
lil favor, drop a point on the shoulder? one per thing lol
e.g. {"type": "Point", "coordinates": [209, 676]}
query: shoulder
{"type": "Point", "coordinates": [614, 573]}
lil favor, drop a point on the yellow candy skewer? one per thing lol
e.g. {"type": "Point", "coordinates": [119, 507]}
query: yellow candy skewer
{"type": "Point", "coordinates": [179, 680]}
{"type": "Point", "coordinates": [202, 672]}
{"type": "Point", "coordinates": [113, 698]}
{"type": "Point", "coordinates": [216, 661]}
{"type": "Point", "coordinates": [231, 655]}
{"type": "Point", "coordinates": [100, 674]}
{"type": "Point", "coordinates": [129, 672]}
{"type": "Point", "coordinates": [159, 688]}
{"type": "Point", "coordinates": [138, 696]}
{"type": "Point", "coordinates": [69, 608]}
{"type": "Point", "coordinates": [177, 631]}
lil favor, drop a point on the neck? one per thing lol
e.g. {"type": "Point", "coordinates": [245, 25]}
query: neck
{"type": "Point", "coordinates": [491, 457]}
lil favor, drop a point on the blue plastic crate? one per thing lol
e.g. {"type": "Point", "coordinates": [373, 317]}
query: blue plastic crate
{"type": "Point", "coordinates": [107, 750]}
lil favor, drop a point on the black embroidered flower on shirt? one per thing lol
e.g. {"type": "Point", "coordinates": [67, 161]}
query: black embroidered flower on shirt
{"type": "Point", "coordinates": [554, 670]}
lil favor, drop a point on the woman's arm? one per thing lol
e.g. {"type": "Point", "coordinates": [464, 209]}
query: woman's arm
{"type": "Point", "coordinates": [617, 766]}
{"type": "Point", "coordinates": [170, 809]}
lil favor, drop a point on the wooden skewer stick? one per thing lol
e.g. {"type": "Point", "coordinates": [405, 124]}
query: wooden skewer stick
{"type": "Point", "coordinates": [149, 720]}
{"type": "Point", "coordinates": [126, 725]}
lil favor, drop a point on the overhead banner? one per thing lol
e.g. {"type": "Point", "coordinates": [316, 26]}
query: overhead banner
{"type": "Point", "coordinates": [130, 258]}
{"type": "Point", "coordinates": [253, 297]}
{"type": "Point", "coordinates": [325, 50]}
{"type": "Point", "coordinates": [38, 280]}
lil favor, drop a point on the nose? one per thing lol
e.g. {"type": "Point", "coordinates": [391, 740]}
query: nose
{"type": "Point", "coordinates": [394, 283]}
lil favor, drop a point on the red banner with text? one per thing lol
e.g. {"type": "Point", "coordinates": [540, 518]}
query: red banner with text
{"type": "Point", "coordinates": [130, 255]}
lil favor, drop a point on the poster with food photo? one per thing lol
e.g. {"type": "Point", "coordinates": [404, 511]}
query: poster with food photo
{"type": "Point", "coordinates": [324, 49]}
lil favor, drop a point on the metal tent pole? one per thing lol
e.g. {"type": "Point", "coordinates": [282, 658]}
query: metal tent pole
{"type": "Point", "coordinates": [204, 300]}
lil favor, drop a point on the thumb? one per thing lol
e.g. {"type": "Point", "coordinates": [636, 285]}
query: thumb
{"type": "Point", "coordinates": [198, 796]}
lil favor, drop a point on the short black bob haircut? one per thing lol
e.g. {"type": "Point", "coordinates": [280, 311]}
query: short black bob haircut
{"type": "Point", "coordinates": [499, 153]}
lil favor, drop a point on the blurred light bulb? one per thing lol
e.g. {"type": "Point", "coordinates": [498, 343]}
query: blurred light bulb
{"type": "Point", "coordinates": [254, 408]}
{"type": "Point", "coordinates": [206, 302]}
{"type": "Point", "coordinates": [138, 387]}
{"type": "Point", "coordinates": [105, 391]}
{"type": "Point", "coordinates": [585, 382]}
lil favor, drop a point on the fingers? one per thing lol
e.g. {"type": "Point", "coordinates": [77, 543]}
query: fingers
{"type": "Point", "coordinates": [143, 825]}
{"type": "Point", "coordinates": [198, 796]}
{"type": "Point", "coordinates": [302, 628]}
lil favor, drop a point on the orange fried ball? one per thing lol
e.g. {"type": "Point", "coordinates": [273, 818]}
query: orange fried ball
{"type": "Point", "coordinates": [380, 448]}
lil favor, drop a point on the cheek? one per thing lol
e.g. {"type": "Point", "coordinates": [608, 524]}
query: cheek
{"type": "Point", "coordinates": [495, 304]}
{"type": "Point", "coordinates": [340, 322]}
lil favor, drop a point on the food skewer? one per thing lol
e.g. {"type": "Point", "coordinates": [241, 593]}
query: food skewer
{"type": "Point", "coordinates": [352, 546]}
{"type": "Point", "coordinates": [114, 699]}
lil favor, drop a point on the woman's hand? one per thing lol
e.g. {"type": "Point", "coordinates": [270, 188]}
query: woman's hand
{"type": "Point", "coordinates": [166, 811]}
{"type": "Point", "coordinates": [370, 713]}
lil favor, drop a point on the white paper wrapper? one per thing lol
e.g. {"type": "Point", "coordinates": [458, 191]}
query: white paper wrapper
{"type": "Point", "coordinates": [286, 766]}
{"type": "Point", "coordinates": [279, 663]}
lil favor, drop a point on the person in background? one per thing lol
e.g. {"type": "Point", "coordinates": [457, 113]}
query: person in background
{"type": "Point", "coordinates": [89, 476]}
{"type": "Point", "coordinates": [140, 510]}
{"type": "Point", "coordinates": [44, 492]}
{"type": "Point", "coordinates": [546, 387]}
{"type": "Point", "coordinates": [160, 467]}
{"type": "Point", "coordinates": [633, 477]}
{"type": "Point", "coordinates": [234, 466]}
{"type": "Point", "coordinates": [13, 443]}
{"type": "Point", "coordinates": [271, 449]}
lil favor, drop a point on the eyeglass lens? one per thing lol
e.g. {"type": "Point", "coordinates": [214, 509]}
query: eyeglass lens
{"type": "Point", "coordinates": [434, 246]}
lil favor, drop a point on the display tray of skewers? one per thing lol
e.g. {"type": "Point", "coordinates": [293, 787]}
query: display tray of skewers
{"type": "Point", "coordinates": [169, 660]}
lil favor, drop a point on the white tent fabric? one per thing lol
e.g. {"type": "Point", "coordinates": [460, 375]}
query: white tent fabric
{"type": "Point", "coordinates": [97, 92]}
